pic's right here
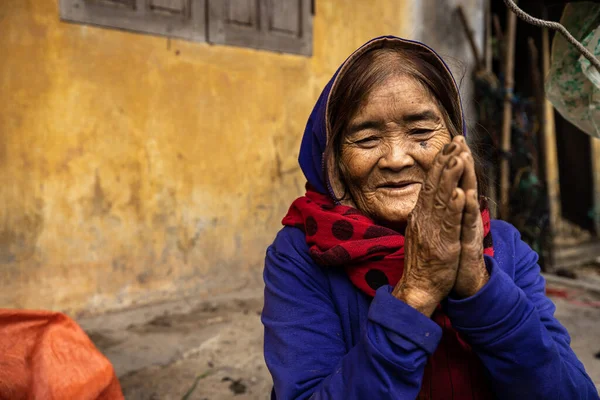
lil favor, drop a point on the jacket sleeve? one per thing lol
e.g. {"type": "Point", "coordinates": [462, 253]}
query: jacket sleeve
{"type": "Point", "coordinates": [304, 346]}
{"type": "Point", "coordinates": [511, 326]}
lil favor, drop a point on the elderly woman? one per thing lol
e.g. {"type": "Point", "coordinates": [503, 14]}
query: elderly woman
{"type": "Point", "coordinates": [389, 281]}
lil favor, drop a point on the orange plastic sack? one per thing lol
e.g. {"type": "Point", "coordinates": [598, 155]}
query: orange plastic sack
{"type": "Point", "coordinates": [47, 356]}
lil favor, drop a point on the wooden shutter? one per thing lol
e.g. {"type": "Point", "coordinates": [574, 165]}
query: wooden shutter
{"type": "Point", "coordinates": [277, 25]}
{"type": "Point", "coordinates": [174, 18]}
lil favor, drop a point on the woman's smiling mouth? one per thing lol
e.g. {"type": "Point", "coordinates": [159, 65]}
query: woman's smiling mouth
{"type": "Point", "coordinates": [399, 187]}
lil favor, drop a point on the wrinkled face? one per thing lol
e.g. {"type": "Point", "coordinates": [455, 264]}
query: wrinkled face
{"type": "Point", "coordinates": [389, 146]}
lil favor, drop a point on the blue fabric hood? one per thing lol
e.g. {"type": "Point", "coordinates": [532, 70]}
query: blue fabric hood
{"type": "Point", "coordinates": [314, 142]}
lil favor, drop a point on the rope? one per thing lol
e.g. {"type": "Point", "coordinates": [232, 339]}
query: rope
{"type": "Point", "coordinates": [554, 26]}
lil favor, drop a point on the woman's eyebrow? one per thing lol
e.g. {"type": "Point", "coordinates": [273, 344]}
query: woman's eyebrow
{"type": "Point", "coordinates": [364, 125]}
{"type": "Point", "coordinates": [425, 115]}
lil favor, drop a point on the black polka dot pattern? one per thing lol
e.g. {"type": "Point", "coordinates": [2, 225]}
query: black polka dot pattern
{"type": "Point", "coordinates": [337, 256]}
{"type": "Point", "coordinates": [378, 249]}
{"type": "Point", "coordinates": [311, 226]}
{"type": "Point", "coordinates": [376, 278]}
{"type": "Point", "coordinates": [342, 230]}
{"type": "Point", "coordinates": [375, 231]}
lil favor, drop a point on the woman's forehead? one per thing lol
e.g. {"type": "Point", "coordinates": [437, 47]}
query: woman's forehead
{"type": "Point", "coordinates": [399, 94]}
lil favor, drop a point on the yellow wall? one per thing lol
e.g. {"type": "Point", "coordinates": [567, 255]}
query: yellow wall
{"type": "Point", "coordinates": [135, 168]}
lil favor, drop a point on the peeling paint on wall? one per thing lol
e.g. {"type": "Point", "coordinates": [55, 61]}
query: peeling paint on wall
{"type": "Point", "coordinates": [136, 168]}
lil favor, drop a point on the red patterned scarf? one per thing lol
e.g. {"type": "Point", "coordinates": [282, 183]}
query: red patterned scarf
{"type": "Point", "coordinates": [373, 256]}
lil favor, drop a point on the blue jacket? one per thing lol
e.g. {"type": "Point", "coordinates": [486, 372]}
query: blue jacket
{"type": "Point", "coordinates": [325, 339]}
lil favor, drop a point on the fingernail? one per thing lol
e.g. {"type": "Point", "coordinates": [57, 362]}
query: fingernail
{"type": "Point", "coordinates": [449, 148]}
{"type": "Point", "coordinates": [454, 194]}
{"type": "Point", "coordinates": [475, 195]}
{"type": "Point", "coordinates": [452, 163]}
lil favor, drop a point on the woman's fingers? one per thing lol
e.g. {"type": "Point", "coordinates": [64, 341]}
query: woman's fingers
{"type": "Point", "coordinates": [448, 183]}
{"type": "Point", "coordinates": [451, 223]}
{"type": "Point", "coordinates": [469, 179]}
{"type": "Point", "coordinates": [472, 228]}
{"type": "Point", "coordinates": [471, 217]}
{"type": "Point", "coordinates": [472, 274]}
{"type": "Point", "coordinates": [432, 181]}
{"type": "Point", "coordinates": [461, 142]}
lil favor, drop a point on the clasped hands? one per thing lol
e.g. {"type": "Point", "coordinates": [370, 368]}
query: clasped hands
{"type": "Point", "coordinates": [444, 234]}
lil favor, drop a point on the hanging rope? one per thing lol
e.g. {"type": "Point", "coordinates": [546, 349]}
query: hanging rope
{"type": "Point", "coordinates": [554, 26]}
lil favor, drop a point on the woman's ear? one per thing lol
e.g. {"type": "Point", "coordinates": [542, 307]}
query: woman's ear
{"type": "Point", "coordinates": [342, 173]}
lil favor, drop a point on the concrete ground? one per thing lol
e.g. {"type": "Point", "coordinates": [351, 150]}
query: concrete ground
{"type": "Point", "coordinates": [202, 349]}
{"type": "Point", "coordinates": [212, 349]}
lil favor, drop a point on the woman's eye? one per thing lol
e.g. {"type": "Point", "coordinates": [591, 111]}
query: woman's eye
{"type": "Point", "coordinates": [367, 140]}
{"type": "Point", "coordinates": [421, 131]}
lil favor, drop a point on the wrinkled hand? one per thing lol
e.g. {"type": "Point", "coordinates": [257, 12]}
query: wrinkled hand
{"type": "Point", "coordinates": [472, 274]}
{"type": "Point", "coordinates": [433, 234]}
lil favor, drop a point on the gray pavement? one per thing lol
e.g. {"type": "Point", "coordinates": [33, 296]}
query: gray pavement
{"type": "Point", "coordinates": [212, 349]}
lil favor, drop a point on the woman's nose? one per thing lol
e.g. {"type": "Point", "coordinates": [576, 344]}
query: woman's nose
{"type": "Point", "coordinates": [396, 157]}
